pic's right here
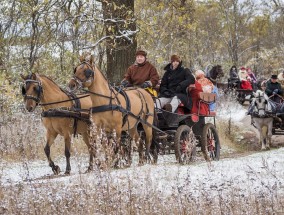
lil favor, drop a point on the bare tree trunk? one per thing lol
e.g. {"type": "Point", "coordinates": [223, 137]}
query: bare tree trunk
{"type": "Point", "coordinates": [120, 49]}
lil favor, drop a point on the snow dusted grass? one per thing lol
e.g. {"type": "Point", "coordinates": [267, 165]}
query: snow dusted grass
{"type": "Point", "coordinates": [248, 185]}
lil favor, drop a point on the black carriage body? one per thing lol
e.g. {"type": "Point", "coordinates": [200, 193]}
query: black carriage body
{"type": "Point", "coordinates": [175, 126]}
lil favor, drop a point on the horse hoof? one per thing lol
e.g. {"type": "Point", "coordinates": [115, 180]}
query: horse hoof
{"type": "Point", "coordinates": [67, 172]}
{"type": "Point", "coordinates": [56, 170]}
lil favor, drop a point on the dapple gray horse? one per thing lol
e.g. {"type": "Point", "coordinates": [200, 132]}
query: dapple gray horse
{"type": "Point", "coordinates": [261, 110]}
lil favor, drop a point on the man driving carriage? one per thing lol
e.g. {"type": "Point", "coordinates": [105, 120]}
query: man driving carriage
{"type": "Point", "coordinates": [173, 86]}
{"type": "Point", "coordinates": [274, 89]}
{"type": "Point", "coordinates": [142, 73]}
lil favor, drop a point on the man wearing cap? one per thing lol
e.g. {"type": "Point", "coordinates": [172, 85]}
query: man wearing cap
{"type": "Point", "coordinates": [273, 88]}
{"type": "Point", "coordinates": [173, 86]}
{"type": "Point", "coordinates": [141, 73]}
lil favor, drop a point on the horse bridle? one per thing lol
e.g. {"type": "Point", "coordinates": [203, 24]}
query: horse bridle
{"type": "Point", "coordinates": [39, 90]}
{"type": "Point", "coordinates": [259, 98]}
{"type": "Point", "coordinates": [89, 73]}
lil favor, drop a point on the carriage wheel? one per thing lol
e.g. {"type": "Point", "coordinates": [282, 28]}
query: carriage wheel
{"type": "Point", "coordinates": [210, 144]}
{"type": "Point", "coordinates": [185, 144]}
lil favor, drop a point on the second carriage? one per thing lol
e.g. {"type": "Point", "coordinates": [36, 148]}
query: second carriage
{"type": "Point", "coordinates": [242, 95]}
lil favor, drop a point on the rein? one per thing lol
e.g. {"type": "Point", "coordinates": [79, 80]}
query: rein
{"type": "Point", "coordinates": [98, 94]}
{"type": "Point", "coordinates": [40, 94]}
{"type": "Point", "coordinates": [67, 100]}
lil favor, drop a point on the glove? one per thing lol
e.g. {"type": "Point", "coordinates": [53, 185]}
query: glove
{"type": "Point", "coordinates": [178, 89]}
{"type": "Point", "coordinates": [146, 84]}
{"type": "Point", "coordinates": [125, 83]}
{"type": "Point", "coordinates": [275, 91]}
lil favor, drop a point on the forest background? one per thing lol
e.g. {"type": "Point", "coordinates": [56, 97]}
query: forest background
{"type": "Point", "coordinates": [47, 36]}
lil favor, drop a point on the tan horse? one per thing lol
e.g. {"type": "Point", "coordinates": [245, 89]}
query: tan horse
{"type": "Point", "coordinates": [39, 89]}
{"type": "Point", "coordinates": [109, 100]}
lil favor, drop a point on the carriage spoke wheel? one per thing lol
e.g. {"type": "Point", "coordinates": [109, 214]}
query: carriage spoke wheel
{"type": "Point", "coordinates": [185, 144]}
{"type": "Point", "coordinates": [210, 144]}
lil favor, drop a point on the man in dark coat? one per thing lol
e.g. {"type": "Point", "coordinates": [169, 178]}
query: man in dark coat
{"type": "Point", "coordinates": [273, 88]}
{"type": "Point", "coordinates": [234, 80]}
{"type": "Point", "coordinates": [173, 86]}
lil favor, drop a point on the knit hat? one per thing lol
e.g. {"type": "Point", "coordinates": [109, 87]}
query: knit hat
{"type": "Point", "coordinates": [175, 58]}
{"type": "Point", "coordinates": [274, 77]}
{"type": "Point", "coordinates": [141, 52]}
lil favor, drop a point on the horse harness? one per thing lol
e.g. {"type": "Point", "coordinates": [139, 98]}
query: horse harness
{"type": "Point", "coordinates": [116, 107]}
{"type": "Point", "coordinates": [73, 112]}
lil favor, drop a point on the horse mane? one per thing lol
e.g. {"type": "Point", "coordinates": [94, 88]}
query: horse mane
{"type": "Point", "coordinates": [48, 78]}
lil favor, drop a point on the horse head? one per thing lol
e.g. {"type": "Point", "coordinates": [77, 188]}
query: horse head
{"type": "Point", "coordinates": [215, 73]}
{"type": "Point", "coordinates": [83, 74]}
{"type": "Point", "coordinates": [260, 101]}
{"type": "Point", "coordinates": [31, 91]}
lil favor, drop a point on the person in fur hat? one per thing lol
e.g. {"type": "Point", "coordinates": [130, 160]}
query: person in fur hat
{"type": "Point", "coordinates": [142, 73]}
{"type": "Point", "coordinates": [173, 86]}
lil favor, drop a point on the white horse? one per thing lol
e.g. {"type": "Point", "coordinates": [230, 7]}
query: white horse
{"type": "Point", "coordinates": [262, 119]}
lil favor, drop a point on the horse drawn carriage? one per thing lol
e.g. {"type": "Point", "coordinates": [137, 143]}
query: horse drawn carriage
{"type": "Point", "coordinates": [234, 88]}
{"type": "Point", "coordinates": [125, 111]}
{"type": "Point", "coordinates": [267, 115]}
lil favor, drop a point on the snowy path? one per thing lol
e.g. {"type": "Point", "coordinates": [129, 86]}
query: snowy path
{"type": "Point", "coordinates": [250, 174]}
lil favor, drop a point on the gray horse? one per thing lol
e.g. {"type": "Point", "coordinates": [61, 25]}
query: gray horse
{"type": "Point", "coordinates": [260, 111]}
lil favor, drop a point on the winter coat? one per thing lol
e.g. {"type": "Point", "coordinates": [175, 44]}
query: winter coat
{"type": "Point", "coordinates": [233, 73]}
{"type": "Point", "coordinates": [175, 82]}
{"type": "Point", "coordinates": [207, 85]}
{"type": "Point", "coordinates": [270, 87]}
{"type": "Point", "coordinates": [246, 85]}
{"type": "Point", "coordinates": [137, 74]}
{"type": "Point", "coordinates": [198, 107]}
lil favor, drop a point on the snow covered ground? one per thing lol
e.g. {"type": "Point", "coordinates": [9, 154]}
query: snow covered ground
{"type": "Point", "coordinates": [259, 174]}
{"type": "Point", "coordinates": [249, 172]}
